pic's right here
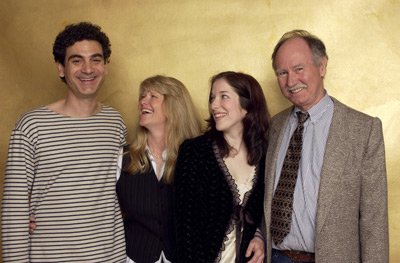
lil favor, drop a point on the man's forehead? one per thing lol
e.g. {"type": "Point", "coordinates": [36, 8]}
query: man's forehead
{"type": "Point", "coordinates": [296, 44]}
{"type": "Point", "coordinates": [86, 47]}
{"type": "Point", "coordinates": [295, 51]}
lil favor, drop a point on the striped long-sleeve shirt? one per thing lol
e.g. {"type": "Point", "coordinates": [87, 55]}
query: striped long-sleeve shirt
{"type": "Point", "coordinates": [62, 171]}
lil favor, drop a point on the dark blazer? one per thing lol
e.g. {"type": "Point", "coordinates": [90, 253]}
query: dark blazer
{"type": "Point", "coordinates": [206, 201]}
{"type": "Point", "coordinates": [148, 222]}
{"type": "Point", "coordinates": [352, 215]}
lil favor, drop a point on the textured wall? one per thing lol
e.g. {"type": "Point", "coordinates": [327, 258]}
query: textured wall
{"type": "Point", "coordinates": [193, 40]}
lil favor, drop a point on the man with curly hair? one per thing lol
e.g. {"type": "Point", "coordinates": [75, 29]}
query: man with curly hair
{"type": "Point", "coordinates": [62, 162]}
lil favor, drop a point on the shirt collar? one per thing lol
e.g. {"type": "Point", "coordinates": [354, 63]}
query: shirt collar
{"type": "Point", "coordinates": [318, 110]}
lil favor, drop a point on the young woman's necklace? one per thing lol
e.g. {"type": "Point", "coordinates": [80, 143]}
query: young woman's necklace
{"type": "Point", "coordinates": [234, 151]}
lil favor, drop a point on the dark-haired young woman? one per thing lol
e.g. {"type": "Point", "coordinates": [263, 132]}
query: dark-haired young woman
{"type": "Point", "coordinates": [219, 177]}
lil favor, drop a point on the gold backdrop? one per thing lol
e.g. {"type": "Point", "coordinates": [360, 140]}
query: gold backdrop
{"type": "Point", "coordinates": [193, 40]}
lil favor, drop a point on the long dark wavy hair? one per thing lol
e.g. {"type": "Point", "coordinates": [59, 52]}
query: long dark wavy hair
{"type": "Point", "coordinates": [256, 121]}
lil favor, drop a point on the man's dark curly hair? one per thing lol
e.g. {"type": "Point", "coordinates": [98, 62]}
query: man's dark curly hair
{"type": "Point", "coordinates": [78, 32]}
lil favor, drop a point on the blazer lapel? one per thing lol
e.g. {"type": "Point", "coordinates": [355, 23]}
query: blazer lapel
{"type": "Point", "coordinates": [333, 163]}
{"type": "Point", "coordinates": [277, 130]}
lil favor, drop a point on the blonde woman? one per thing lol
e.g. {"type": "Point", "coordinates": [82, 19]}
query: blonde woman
{"type": "Point", "coordinates": [167, 118]}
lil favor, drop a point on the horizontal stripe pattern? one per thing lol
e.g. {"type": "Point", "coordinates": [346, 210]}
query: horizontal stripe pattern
{"type": "Point", "coordinates": [62, 171]}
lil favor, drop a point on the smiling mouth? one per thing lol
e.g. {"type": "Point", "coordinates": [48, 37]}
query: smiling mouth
{"type": "Point", "coordinates": [86, 79]}
{"type": "Point", "coordinates": [145, 111]}
{"type": "Point", "coordinates": [219, 115]}
{"type": "Point", "coordinates": [296, 88]}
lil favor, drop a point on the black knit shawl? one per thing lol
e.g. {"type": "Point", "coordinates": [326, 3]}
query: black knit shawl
{"type": "Point", "coordinates": [205, 203]}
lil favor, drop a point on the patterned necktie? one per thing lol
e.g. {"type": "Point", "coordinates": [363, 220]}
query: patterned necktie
{"type": "Point", "coordinates": [282, 203]}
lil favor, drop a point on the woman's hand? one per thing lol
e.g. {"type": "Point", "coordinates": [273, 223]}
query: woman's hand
{"type": "Point", "coordinates": [257, 246]}
{"type": "Point", "coordinates": [32, 224]}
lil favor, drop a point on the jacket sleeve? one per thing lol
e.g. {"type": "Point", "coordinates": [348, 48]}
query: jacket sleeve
{"type": "Point", "coordinates": [374, 238]}
{"type": "Point", "coordinates": [187, 200]}
{"type": "Point", "coordinates": [15, 204]}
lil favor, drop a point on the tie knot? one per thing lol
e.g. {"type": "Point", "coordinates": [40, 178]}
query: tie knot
{"type": "Point", "coordinates": [303, 116]}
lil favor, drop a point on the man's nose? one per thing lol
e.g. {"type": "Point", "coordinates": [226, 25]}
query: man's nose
{"type": "Point", "coordinates": [292, 79]}
{"type": "Point", "coordinates": [87, 68]}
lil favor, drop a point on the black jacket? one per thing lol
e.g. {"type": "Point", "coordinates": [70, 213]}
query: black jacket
{"type": "Point", "coordinates": [148, 207]}
{"type": "Point", "coordinates": [206, 197]}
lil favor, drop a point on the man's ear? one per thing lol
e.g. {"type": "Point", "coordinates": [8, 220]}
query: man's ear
{"type": "Point", "coordinates": [322, 67]}
{"type": "Point", "coordinates": [105, 68]}
{"type": "Point", "coordinates": [60, 68]}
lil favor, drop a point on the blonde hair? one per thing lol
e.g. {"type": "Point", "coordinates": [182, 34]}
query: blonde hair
{"type": "Point", "coordinates": [183, 122]}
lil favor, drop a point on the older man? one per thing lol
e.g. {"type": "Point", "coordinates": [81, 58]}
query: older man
{"type": "Point", "coordinates": [326, 192]}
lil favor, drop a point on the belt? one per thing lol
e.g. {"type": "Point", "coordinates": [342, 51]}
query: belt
{"type": "Point", "coordinates": [299, 255]}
